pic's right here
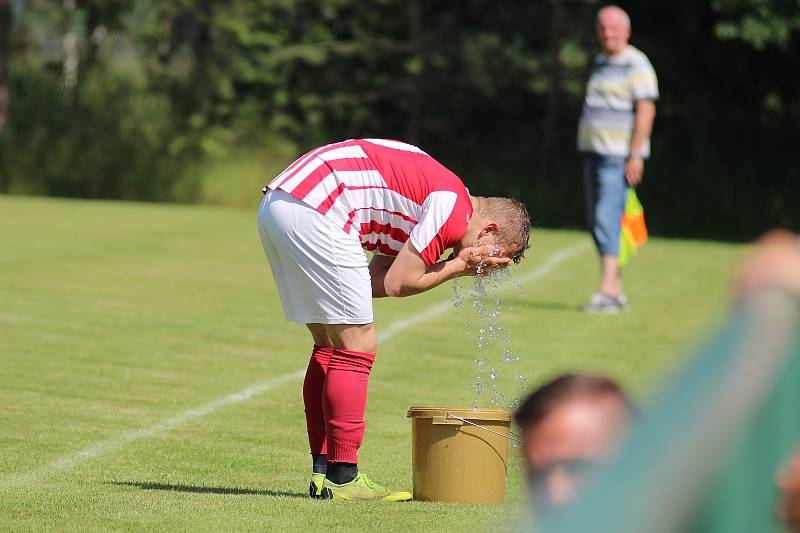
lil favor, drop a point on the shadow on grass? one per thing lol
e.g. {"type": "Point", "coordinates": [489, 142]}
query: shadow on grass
{"type": "Point", "coordinates": [145, 485]}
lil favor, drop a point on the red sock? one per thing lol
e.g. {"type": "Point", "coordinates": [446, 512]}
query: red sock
{"type": "Point", "coordinates": [313, 386]}
{"type": "Point", "coordinates": [345, 400]}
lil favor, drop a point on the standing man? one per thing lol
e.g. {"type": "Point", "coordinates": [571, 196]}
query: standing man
{"type": "Point", "coordinates": [316, 221]}
{"type": "Point", "coordinates": [614, 139]}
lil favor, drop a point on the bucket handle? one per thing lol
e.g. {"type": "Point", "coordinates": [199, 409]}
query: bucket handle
{"type": "Point", "coordinates": [513, 437]}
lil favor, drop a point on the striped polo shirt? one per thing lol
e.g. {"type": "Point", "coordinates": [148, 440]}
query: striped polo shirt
{"type": "Point", "coordinates": [615, 85]}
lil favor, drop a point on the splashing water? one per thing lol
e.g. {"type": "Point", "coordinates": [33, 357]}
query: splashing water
{"type": "Point", "coordinates": [458, 295]}
{"type": "Point", "coordinates": [494, 375]}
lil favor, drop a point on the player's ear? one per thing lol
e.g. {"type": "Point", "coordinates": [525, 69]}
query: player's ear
{"type": "Point", "coordinates": [489, 227]}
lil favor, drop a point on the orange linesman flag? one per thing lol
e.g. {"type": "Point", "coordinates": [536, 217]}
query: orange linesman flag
{"type": "Point", "coordinates": [633, 231]}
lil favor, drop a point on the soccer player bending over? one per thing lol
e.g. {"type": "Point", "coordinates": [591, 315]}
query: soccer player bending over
{"type": "Point", "coordinates": [316, 220]}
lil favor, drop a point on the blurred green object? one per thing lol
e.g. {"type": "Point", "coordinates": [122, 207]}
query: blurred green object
{"type": "Point", "coordinates": [742, 499]}
{"type": "Point", "coordinates": [705, 455]}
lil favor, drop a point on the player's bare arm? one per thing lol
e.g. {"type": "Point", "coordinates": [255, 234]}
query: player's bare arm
{"type": "Point", "coordinates": [642, 128]}
{"type": "Point", "coordinates": [409, 275]}
{"type": "Point", "coordinates": [378, 267]}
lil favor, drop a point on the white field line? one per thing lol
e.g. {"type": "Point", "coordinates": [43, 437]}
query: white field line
{"type": "Point", "coordinates": [529, 277]}
{"type": "Point", "coordinates": [101, 448]}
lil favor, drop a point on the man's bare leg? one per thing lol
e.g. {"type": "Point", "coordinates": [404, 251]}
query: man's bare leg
{"type": "Point", "coordinates": [321, 337]}
{"type": "Point", "coordinates": [610, 280]}
{"type": "Point", "coordinates": [356, 337]}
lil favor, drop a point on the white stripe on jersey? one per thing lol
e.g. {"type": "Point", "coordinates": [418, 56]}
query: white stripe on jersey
{"type": "Point", "coordinates": [344, 152]}
{"type": "Point", "coordinates": [301, 174]}
{"type": "Point", "coordinates": [365, 216]}
{"type": "Point", "coordinates": [276, 183]}
{"type": "Point", "coordinates": [372, 238]}
{"type": "Point", "coordinates": [310, 164]}
{"type": "Point", "coordinates": [321, 191]}
{"type": "Point", "coordinates": [361, 178]}
{"type": "Point", "coordinates": [397, 145]}
{"type": "Point", "coordinates": [381, 199]}
{"type": "Point", "coordinates": [349, 178]}
{"type": "Point", "coordinates": [438, 207]}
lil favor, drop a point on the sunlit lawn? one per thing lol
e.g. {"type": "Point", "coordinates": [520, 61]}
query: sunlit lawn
{"type": "Point", "coordinates": [115, 317]}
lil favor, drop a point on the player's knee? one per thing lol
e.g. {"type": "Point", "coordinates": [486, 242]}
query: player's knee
{"type": "Point", "coordinates": [368, 339]}
{"type": "Point", "coordinates": [360, 338]}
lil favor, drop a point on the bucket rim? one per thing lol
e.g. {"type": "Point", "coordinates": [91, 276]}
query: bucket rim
{"type": "Point", "coordinates": [468, 413]}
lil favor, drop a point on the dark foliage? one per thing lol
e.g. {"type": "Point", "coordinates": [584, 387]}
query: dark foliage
{"type": "Point", "coordinates": [122, 99]}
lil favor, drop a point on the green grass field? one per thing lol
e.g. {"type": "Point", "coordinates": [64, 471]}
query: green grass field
{"type": "Point", "coordinates": [118, 321]}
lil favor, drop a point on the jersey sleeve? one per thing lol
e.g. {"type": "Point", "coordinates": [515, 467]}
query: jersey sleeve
{"type": "Point", "coordinates": [442, 224]}
{"type": "Point", "coordinates": [643, 80]}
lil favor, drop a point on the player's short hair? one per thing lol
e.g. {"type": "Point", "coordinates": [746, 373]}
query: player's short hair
{"type": "Point", "coordinates": [566, 387]}
{"type": "Point", "coordinates": [513, 224]}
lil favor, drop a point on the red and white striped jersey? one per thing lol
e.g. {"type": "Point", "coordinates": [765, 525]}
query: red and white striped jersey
{"type": "Point", "coordinates": [383, 193]}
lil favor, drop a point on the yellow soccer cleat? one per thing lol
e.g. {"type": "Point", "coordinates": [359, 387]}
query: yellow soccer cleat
{"type": "Point", "coordinates": [315, 487]}
{"type": "Point", "coordinates": [361, 488]}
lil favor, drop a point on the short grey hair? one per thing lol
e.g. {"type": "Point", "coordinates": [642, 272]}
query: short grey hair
{"type": "Point", "coordinates": [625, 18]}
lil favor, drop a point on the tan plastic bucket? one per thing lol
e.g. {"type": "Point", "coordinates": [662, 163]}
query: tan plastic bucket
{"type": "Point", "coordinates": [455, 461]}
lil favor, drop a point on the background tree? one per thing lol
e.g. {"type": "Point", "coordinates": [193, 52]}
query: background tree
{"type": "Point", "coordinates": [5, 51]}
{"type": "Point", "coordinates": [139, 100]}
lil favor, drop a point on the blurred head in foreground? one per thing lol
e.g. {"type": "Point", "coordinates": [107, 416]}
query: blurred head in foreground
{"type": "Point", "coordinates": [568, 426]}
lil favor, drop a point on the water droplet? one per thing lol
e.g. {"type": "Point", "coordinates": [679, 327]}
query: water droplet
{"type": "Point", "coordinates": [489, 335]}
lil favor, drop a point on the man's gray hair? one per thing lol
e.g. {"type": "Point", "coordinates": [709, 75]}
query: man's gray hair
{"type": "Point", "coordinates": [616, 9]}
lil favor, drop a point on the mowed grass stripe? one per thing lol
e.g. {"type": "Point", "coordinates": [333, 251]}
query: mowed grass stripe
{"type": "Point", "coordinates": [102, 448]}
{"type": "Point", "coordinates": [114, 314]}
{"type": "Point", "coordinates": [71, 460]}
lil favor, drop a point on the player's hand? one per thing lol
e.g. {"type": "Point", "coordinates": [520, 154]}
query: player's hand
{"type": "Point", "coordinates": [481, 260]}
{"type": "Point", "coordinates": [634, 170]}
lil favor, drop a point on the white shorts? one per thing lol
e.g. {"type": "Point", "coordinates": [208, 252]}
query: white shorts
{"type": "Point", "coordinates": [321, 271]}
